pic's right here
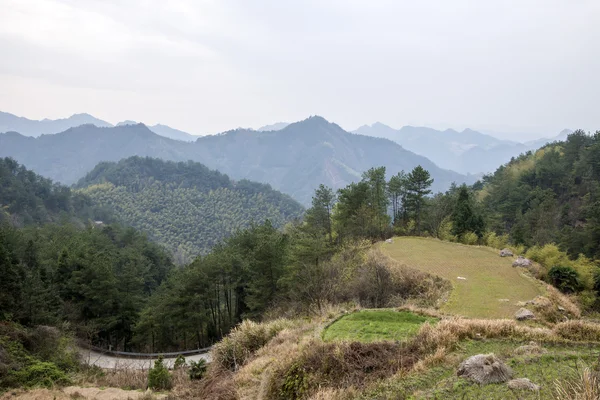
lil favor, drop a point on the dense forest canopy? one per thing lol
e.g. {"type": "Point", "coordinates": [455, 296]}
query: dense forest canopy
{"type": "Point", "coordinates": [58, 264]}
{"type": "Point", "coordinates": [550, 196]}
{"type": "Point", "coordinates": [27, 198]}
{"type": "Point", "coordinates": [185, 206]}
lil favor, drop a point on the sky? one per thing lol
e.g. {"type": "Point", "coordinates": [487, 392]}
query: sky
{"type": "Point", "coordinates": [522, 69]}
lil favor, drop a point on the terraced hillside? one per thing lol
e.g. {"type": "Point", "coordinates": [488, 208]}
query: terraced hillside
{"type": "Point", "coordinates": [491, 288]}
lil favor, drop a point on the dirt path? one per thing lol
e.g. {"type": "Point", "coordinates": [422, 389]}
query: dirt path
{"type": "Point", "coordinates": [110, 362]}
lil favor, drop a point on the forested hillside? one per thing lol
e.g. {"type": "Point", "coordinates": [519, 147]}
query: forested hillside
{"type": "Point", "coordinates": [550, 196]}
{"type": "Point", "coordinates": [27, 198]}
{"type": "Point", "coordinates": [293, 160]}
{"type": "Point", "coordinates": [61, 267]}
{"type": "Point", "coordinates": [184, 206]}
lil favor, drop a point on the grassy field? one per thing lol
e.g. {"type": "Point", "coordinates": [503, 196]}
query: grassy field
{"type": "Point", "coordinates": [374, 325]}
{"type": "Point", "coordinates": [441, 382]}
{"type": "Point", "coordinates": [492, 286]}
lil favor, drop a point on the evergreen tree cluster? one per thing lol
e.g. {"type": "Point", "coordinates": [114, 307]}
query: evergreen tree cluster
{"type": "Point", "coordinates": [97, 278]}
{"type": "Point", "coordinates": [550, 196]}
{"type": "Point", "coordinates": [27, 198]}
{"type": "Point", "coordinates": [184, 206]}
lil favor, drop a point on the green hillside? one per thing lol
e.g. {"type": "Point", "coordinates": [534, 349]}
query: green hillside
{"type": "Point", "coordinates": [550, 196]}
{"type": "Point", "coordinates": [491, 288]}
{"type": "Point", "coordinates": [184, 206]}
{"type": "Point", "coordinates": [30, 199]}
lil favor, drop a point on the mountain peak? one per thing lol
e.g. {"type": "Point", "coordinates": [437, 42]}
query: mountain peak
{"type": "Point", "coordinates": [127, 122]}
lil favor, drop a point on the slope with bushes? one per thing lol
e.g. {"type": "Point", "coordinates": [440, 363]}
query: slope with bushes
{"type": "Point", "coordinates": [184, 206]}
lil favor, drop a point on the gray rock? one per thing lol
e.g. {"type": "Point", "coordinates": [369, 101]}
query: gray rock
{"type": "Point", "coordinates": [524, 314]}
{"type": "Point", "coordinates": [506, 253]}
{"type": "Point", "coordinates": [530, 349]}
{"type": "Point", "coordinates": [522, 384]}
{"type": "Point", "coordinates": [522, 262]}
{"type": "Point", "coordinates": [484, 369]}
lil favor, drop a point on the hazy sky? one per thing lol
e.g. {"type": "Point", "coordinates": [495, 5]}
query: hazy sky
{"type": "Point", "coordinates": [208, 66]}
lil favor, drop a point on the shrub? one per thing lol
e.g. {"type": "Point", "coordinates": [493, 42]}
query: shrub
{"type": "Point", "coordinates": [469, 238]}
{"type": "Point", "coordinates": [445, 231]}
{"type": "Point", "coordinates": [179, 362]}
{"type": "Point", "coordinates": [159, 377]}
{"type": "Point", "coordinates": [497, 242]}
{"type": "Point", "coordinates": [241, 343]}
{"type": "Point", "coordinates": [548, 255]}
{"type": "Point", "coordinates": [566, 279]}
{"type": "Point", "coordinates": [197, 369]}
{"type": "Point", "coordinates": [41, 373]}
{"type": "Point", "coordinates": [339, 366]}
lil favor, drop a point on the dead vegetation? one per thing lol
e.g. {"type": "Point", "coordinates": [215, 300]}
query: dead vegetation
{"type": "Point", "coordinates": [586, 387]}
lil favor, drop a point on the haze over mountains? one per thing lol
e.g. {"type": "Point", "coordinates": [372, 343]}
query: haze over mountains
{"type": "Point", "coordinates": [294, 160]}
{"type": "Point", "coordinates": [466, 152]}
{"type": "Point", "coordinates": [35, 128]}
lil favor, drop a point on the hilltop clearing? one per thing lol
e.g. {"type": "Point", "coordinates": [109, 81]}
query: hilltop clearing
{"type": "Point", "coordinates": [491, 288]}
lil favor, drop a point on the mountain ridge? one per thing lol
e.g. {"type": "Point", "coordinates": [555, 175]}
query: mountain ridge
{"type": "Point", "coordinates": [467, 151]}
{"type": "Point", "coordinates": [294, 160]}
{"type": "Point", "coordinates": [34, 128]}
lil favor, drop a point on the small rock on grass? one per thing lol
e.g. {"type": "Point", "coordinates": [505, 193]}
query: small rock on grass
{"type": "Point", "coordinates": [522, 384]}
{"type": "Point", "coordinates": [524, 314]}
{"type": "Point", "coordinates": [484, 369]}
{"type": "Point", "coordinates": [506, 253]}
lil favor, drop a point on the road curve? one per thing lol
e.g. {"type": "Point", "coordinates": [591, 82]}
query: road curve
{"type": "Point", "coordinates": [106, 361]}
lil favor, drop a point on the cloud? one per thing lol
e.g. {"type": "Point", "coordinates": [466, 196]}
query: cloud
{"type": "Point", "coordinates": [207, 66]}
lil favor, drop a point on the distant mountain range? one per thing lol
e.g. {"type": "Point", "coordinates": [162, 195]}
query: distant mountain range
{"type": "Point", "coordinates": [466, 152]}
{"type": "Point", "coordinates": [30, 127]}
{"type": "Point", "coordinates": [35, 128]}
{"type": "Point", "coordinates": [294, 160]}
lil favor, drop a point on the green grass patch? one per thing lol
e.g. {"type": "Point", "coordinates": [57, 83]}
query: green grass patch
{"type": "Point", "coordinates": [492, 286]}
{"type": "Point", "coordinates": [441, 382]}
{"type": "Point", "coordinates": [375, 325]}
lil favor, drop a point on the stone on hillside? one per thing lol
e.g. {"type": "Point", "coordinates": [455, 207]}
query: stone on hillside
{"type": "Point", "coordinates": [531, 348]}
{"type": "Point", "coordinates": [524, 314]}
{"type": "Point", "coordinates": [522, 262]}
{"type": "Point", "coordinates": [389, 241]}
{"type": "Point", "coordinates": [506, 253]}
{"type": "Point", "coordinates": [522, 384]}
{"type": "Point", "coordinates": [484, 369]}
{"type": "Point", "coordinates": [540, 302]}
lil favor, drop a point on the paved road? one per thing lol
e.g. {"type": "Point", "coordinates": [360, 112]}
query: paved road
{"type": "Point", "coordinates": [111, 362]}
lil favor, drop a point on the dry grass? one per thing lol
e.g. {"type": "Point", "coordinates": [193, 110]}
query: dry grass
{"type": "Point", "coordinates": [587, 387]}
{"type": "Point", "coordinates": [235, 349]}
{"type": "Point", "coordinates": [129, 379]}
{"type": "Point", "coordinates": [296, 363]}
{"type": "Point", "coordinates": [447, 333]}
{"type": "Point", "coordinates": [489, 278]}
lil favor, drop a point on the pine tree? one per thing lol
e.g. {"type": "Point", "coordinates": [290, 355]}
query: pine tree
{"type": "Point", "coordinates": [418, 183]}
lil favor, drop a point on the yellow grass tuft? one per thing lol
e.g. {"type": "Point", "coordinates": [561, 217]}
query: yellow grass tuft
{"type": "Point", "coordinates": [586, 387]}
